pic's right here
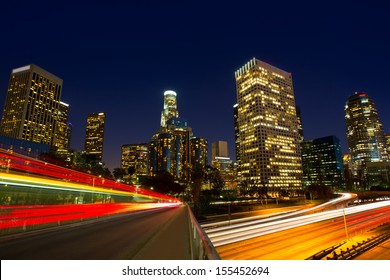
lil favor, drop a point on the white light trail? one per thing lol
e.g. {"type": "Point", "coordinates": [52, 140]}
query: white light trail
{"type": "Point", "coordinates": [230, 234]}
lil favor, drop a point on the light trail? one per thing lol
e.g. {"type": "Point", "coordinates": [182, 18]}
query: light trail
{"type": "Point", "coordinates": [266, 218]}
{"type": "Point", "coordinates": [21, 173]}
{"type": "Point", "coordinates": [227, 235]}
{"type": "Point", "coordinates": [10, 163]}
{"type": "Point", "coordinates": [24, 216]}
{"type": "Point", "coordinates": [38, 182]}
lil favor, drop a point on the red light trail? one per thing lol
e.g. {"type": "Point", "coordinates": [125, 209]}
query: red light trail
{"type": "Point", "coordinates": [22, 172]}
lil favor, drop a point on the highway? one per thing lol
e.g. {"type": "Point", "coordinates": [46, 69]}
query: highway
{"type": "Point", "coordinates": [302, 241]}
{"type": "Point", "coordinates": [247, 230]}
{"type": "Point", "coordinates": [151, 234]}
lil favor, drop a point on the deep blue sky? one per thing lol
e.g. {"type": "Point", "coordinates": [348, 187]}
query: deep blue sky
{"type": "Point", "coordinates": [119, 57]}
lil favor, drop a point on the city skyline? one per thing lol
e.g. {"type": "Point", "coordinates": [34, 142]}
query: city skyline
{"type": "Point", "coordinates": [120, 60]}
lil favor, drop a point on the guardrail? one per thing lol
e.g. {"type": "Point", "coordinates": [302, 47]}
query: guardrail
{"type": "Point", "coordinates": [362, 247]}
{"type": "Point", "coordinates": [325, 252]}
{"type": "Point", "coordinates": [201, 246]}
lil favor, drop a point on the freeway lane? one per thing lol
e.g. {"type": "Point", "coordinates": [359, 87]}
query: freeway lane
{"type": "Point", "coordinates": [304, 241]}
{"type": "Point", "coordinates": [247, 230]}
{"type": "Point", "coordinates": [126, 237]}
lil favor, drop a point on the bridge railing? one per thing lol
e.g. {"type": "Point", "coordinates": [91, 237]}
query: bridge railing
{"type": "Point", "coordinates": [201, 246]}
{"type": "Point", "coordinates": [362, 247]}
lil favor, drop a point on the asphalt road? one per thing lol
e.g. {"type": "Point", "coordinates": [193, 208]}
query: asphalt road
{"type": "Point", "coordinates": [301, 242]}
{"type": "Point", "coordinates": [151, 234]}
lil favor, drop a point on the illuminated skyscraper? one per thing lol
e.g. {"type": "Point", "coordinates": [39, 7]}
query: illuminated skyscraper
{"type": "Point", "coordinates": [169, 149]}
{"type": "Point", "coordinates": [236, 132]}
{"type": "Point", "coordinates": [62, 137]}
{"type": "Point", "coordinates": [173, 148]}
{"type": "Point", "coordinates": [388, 144]}
{"type": "Point", "coordinates": [170, 107]}
{"type": "Point", "coordinates": [32, 106]}
{"type": "Point", "coordinates": [199, 152]}
{"type": "Point", "coordinates": [268, 127]}
{"type": "Point", "coordinates": [94, 136]}
{"type": "Point", "coordinates": [366, 139]}
{"type": "Point", "coordinates": [300, 126]}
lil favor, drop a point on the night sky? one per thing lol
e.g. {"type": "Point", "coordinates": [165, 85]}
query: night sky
{"type": "Point", "coordinates": [119, 57]}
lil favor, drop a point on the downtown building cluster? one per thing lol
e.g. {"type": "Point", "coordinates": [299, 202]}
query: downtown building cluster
{"type": "Point", "coordinates": [173, 149]}
{"type": "Point", "coordinates": [35, 119]}
{"type": "Point", "coordinates": [270, 148]}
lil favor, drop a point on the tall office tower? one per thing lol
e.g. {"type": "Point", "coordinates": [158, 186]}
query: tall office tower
{"type": "Point", "coordinates": [219, 149]}
{"type": "Point", "coordinates": [366, 139]}
{"type": "Point", "coordinates": [237, 141]}
{"type": "Point", "coordinates": [173, 148]}
{"type": "Point", "coordinates": [221, 161]}
{"type": "Point", "coordinates": [322, 162]}
{"type": "Point", "coordinates": [61, 139]}
{"type": "Point", "coordinates": [199, 152]}
{"type": "Point", "coordinates": [268, 126]}
{"type": "Point", "coordinates": [169, 149]}
{"type": "Point", "coordinates": [31, 106]}
{"type": "Point", "coordinates": [135, 155]}
{"type": "Point", "coordinates": [180, 147]}
{"type": "Point", "coordinates": [300, 126]}
{"type": "Point", "coordinates": [94, 136]}
{"type": "Point", "coordinates": [69, 129]}
{"type": "Point", "coordinates": [388, 144]}
{"type": "Point", "coordinates": [170, 107]}
{"type": "Point", "coordinates": [236, 132]}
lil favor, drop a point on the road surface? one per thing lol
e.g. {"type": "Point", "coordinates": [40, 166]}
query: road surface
{"type": "Point", "coordinates": [151, 234]}
{"type": "Point", "coordinates": [301, 242]}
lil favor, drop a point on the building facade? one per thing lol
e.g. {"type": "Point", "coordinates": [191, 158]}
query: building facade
{"type": "Point", "coordinates": [219, 149]}
{"type": "Point", "coordinates": [221, 161]}
{"type": "Point", "coordinates": [300, 126]}
{"type": "Point", "coordinates": [322, 162]}
{"type": "Point", "coordinates": [366, 138]}
{"type": "Point", "coordinates": [269, 149]}
{"type": "Point", "coordinates": [63, 130]}
{"type": "Point", "coordinates": [237, 140]}
{"type": "Point", "coordinates": [199, 152]}
{"type": "Point", "coordinates": [136, 156]}
{"type": "Point", "coordinates": [94, 136]}
{"type": "Point", "coordinates": [33, 105]}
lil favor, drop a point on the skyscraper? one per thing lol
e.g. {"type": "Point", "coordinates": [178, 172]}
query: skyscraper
{"type": "Point", "coordinates": [94, 136]}
{"type": "Point", "coordinates": [62, 136]}
{"type": "Point", "coordinates": [268, 127]}
{"type": "Point", "coordinates": [219, 149]}
{"type": "Point", "coordinates": [322, 162]}
{"type": "Point", "coordinates": [236, 133]}
{"type": "Point", "coordinates": [221, 161]}
{"type": "Point", "coordinates": [32, 106]}
{"type": "Point", "coordinates": [300, 126]}
{"type": "Point", "coordinates": [170, 107]}
{"type": "Point", "coordinates": [366, 139]}
{"type": "Point", "coordinates": [173, 148]}
{"type": "Point", "coordinates": [199, 152]}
